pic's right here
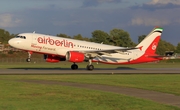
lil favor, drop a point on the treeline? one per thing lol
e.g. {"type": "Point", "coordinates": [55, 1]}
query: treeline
{"type": "Point", "coordinates": [5, 36]}
{"type": "Point", "coordinates": [116, 37]}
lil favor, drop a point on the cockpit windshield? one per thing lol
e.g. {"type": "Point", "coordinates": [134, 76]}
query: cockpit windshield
{"type": "Point", "coordinates": [23, 37]}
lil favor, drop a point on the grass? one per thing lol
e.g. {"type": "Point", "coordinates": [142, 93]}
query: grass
{"type": "Point", "coordinates": [16, 95]}
{"type": "Point", "coordinates": [162, 83]}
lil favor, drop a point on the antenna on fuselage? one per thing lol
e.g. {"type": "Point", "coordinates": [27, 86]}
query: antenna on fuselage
{"type": "Point", "coordinates": [34, 32]}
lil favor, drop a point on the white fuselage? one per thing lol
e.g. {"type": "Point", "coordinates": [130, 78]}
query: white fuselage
{"type": "Point", "coordinates": [47, 44]}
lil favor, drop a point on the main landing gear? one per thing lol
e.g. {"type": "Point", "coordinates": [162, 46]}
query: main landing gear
{"type": "Point", "coordinates": [74, 66]}
{"type": "Point", "coordinates": [29, 57]}
{"type": "Point", "coordinates": [90, 66]}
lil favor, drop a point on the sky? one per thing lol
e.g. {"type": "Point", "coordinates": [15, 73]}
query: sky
{"type": "Point", "coordinates": [72, 17]}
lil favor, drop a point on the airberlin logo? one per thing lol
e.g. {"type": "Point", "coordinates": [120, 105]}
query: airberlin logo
{"type": "Point", "coordinates": [48, 40]}
{"type": "Point", "coordinates": [154, 46]}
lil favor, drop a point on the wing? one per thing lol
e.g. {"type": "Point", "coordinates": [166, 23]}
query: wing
{"type": "Point", "coordinates": [108, 52]}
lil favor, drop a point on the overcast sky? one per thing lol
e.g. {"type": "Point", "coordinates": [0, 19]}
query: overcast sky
{"type": "Point", "coordinates": [74, 17]}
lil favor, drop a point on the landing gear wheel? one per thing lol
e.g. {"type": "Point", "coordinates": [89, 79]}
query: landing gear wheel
{"type": "Point", "coordinates": [29, 56]}
{"type": "Point", "coordinates": [74, 67]}
{"type": "Point", "coordinates": [90, 67]}
{"type": "Point", "coordinates": [28, 59]}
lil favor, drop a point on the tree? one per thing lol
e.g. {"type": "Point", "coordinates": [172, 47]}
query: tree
{"type": "Point", "coordinates": [86, 39]}
{"type": "Point", "coordinates": [164, 46]}
{"type": "Point", "coordinates": [4, 36]}
{"type": "Point", "coordinates": [140, 38]}
{"type": "Point", "coordinates": [121, 38]}
{"type": "Point", "coordinates": [100, 37]}
{"type": "Point", "coordinates": [79, 37]}
{"type": "Point", "coordinates": [178, 48]}
{"type": "Point", "coordinates": [63, 35]}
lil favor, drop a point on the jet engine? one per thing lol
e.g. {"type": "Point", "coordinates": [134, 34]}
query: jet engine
{"type": "Point", "coordinates": [75, 57]}
{"type": "Point", "coordinates": [53, 58]}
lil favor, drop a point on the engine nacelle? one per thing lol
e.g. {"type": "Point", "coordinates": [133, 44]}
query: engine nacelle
{"type": "Point", "coordinates": [75, 56]}
{"type": "Point", "coordinates": [53, 58]}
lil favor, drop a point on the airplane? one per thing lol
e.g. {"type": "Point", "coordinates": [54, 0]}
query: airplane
{"type": "Point", "coordinates": [56, 49]}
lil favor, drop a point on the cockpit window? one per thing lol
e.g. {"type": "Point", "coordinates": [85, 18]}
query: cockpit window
{"type": "Point", "coordinates": [23, 37]}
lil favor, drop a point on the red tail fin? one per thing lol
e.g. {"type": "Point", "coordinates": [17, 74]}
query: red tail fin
{"type": "Point", "coordinates": [150, 42]}
{"type": "Point", "coordinates": [153, 46]}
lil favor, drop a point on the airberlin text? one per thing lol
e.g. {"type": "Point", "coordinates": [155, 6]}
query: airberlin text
{"type": "Point", "coordinates": [48, 40]}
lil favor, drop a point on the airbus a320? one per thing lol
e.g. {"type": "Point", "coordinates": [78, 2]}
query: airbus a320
{"type": "Point", "coordinates": [57, 49]}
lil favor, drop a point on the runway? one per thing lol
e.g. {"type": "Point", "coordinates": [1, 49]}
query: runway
{"type": "Point", "coordinates": [50, 71]}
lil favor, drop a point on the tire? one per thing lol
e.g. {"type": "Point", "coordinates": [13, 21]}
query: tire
{"type": "Point", "coordinates": [28, 60]}
{"type": "Point", "coordinates": [74, 67]}
{"type": "Point", "coordinates": [90, 67]}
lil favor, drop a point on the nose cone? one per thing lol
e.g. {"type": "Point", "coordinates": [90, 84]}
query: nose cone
{"type": "Point", "coordinates": [11, 42]}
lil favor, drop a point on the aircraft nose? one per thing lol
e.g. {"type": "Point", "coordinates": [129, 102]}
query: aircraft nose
{"type": "Point", "coordinates": [12, 42]}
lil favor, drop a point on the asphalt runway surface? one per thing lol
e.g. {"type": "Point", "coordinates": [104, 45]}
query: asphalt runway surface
{"type": "Point", "coordinates": [50, 71]}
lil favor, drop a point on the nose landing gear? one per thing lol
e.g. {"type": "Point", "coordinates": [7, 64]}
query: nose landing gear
{"type": "Point", "coordinates": [29, 57]}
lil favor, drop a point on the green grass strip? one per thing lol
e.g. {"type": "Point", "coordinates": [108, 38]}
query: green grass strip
{"type": "Point", "coordinates": [28, 96]}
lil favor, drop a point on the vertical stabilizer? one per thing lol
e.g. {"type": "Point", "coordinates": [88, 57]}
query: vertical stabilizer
{"type": "Point", "coordinates": [150, 42]}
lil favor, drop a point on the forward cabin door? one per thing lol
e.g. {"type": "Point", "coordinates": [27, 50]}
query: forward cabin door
{"type": "Point", "coordinates": [35, 47]}
{"type": "Point", "coordinates": [34, 39]}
